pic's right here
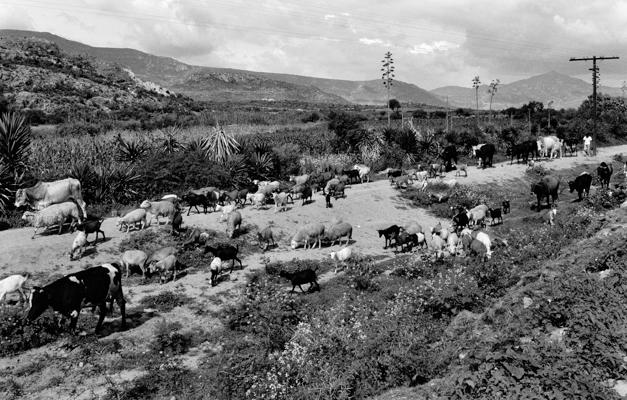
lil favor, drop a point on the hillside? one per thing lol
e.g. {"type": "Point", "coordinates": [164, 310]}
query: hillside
{"type": "Point", "coordinates": [565, 91]}
{"type": "Point", "coordinates": [224, 84]}
{"type": "Point", "coordinates": [49, 84]}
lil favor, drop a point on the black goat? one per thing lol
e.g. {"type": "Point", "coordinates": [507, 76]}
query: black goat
{"type": "Point", "coordinates": [301, 277]}
{"type": "Point", "coordinates": [177, 221]}
{"type": "Point", "coordinates": [461, 220]}
{"type": "Point", "coordinates": [92, 225]}
{"type": "Point", "coordinates": [505, 206]}
{"type": "Point", "coordinates": [407, 240]}
{"type": "Point", "coordinates": [495, 213]}
{"type": "Point", "coordinates": [225, 252]}
{"type": "Point", "coordinates": [306, 195]}
{"type": "Point", "coordinates": [195, 200]}
{"type": "Point", "coordinates": [389, 233]}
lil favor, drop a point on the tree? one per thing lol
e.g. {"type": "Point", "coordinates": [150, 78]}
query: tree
{"type": "Point", "coordinates": [387, 67]}
{"type": "Point", "coordinates": [492, 91]}
{"type": "Point", "coordinates": [394, 104]}
{"type": "Point", "coordinates": [476, 82]}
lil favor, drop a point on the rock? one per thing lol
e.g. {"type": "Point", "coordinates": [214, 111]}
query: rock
{"type": "Point", "coordinates": [527, 301]}
{"type": "Point", "coordinates": [621, 388]}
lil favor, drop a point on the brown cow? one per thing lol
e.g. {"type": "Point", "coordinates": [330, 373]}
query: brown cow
{"type": "Point", "coordinates": [44, 194]}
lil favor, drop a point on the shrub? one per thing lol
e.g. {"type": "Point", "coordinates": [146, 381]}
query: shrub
{"type": "Point", "coordinates": [167, 339]}
{"type": "Point", "coordinates": [313, 117]}
{"type": "Point", "coordinates": [165, 301]}
{"type": "Point", "coordinates": [18, 335]}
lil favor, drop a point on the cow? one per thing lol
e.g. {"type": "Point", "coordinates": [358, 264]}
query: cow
{"type": "Point", "coordinates": [449, 156]}
{"type": "Point", "coordinates": [68, 295]}
{"type": "Point", "coordinates": [485, 154]}
{"type": "Point", "coordinates": [548, 145]}
{"type": "Point", "coordinates": [522, 150]}
{"type": "Point", "coordinates": [44, 194]}
{"type": "Point", "coordinates": [604, 172]}
{"type": "Point", "coordinates": [581, 184]}
{"type": "Point", "coordinates": [548, 186]}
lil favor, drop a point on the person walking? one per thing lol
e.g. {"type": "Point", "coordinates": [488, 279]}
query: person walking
{"type": "Point", "coordinates": [587, 140]}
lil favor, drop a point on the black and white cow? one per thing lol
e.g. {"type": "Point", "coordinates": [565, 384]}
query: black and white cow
{"type": "Point", "coordinates": [581, 184]}
{"type": "Point", "coordinates": [68, 295]}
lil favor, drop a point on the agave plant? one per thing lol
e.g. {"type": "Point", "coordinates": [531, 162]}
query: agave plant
{"type": "Point", "coordinates": [170, 143]}
{"type": "Point", "coordinates": [6, 182]}
{"type": "Point", "coordinates": [221, 145]}
{"type": "Point", "coordinates": [130, 151]}
{"type": "Point", "coordinates": [15, 139]}
{"type": "Point", "coordinates": [197, 145]}
{"type": "Point", "coordinates": [237, 170]}
{"type": "Point", "coordinates": [261, 164]}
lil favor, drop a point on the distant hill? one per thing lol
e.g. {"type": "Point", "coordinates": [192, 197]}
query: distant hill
{"type": "Point", "coordinates": [565, 91]}
{"type": "Point", "coordinates": [51, 85]}
{"type": "Point", "coordinates": [224, 84]}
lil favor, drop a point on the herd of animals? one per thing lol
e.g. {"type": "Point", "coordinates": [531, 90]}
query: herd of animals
{"type": "Point", "coordinates": [61, 201]}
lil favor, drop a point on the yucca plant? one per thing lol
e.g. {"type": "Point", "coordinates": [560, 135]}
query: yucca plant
{"type": "Point", "coordinates": [237, 169]}
{"type": "Point", "coordinates": [15, 139]}
{"type": "Point", "coordinates": [6, 183]}
{"type": "Point", "coordinates": [221, 145]}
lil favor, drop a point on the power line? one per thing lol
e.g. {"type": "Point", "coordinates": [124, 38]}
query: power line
{"type": "Point", "coordinates": [595, 78]}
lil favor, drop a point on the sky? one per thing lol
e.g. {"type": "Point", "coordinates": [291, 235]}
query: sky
{"type": "Point", "coordinates": [434, 42]}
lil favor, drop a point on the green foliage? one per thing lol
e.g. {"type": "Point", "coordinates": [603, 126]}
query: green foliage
{"type": "Point", "coordinates": [347, 130]}
{"type": "Point", "coordinates": [220, 146]}
{"type": "Point", "coordinates": [15, 139]}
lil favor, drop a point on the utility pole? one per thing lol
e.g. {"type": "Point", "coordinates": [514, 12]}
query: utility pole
{"type": "Point", "coordinates": [595, 77]}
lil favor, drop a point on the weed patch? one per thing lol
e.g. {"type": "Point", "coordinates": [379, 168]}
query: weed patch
{"type": "Point", "coordinates": [165, 301]}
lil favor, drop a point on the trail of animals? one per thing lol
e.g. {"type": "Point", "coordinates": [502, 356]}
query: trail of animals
{"type": "Point", "coordinates": [337, 219]}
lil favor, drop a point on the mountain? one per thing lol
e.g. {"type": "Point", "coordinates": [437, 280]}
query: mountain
{"type": "Point", "coordinates": [563, 90]}
{"type": "Point", "coordinates": [51, 85]}
{"type": "Point", "coordinates": [224, 84]}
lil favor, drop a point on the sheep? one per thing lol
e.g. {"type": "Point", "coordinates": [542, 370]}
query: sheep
{"type": "Point", "coordinates": [225, 252]}
{"type": "Point", "coordinates": [165, 267]}
{"type": "Point", "coordinates": [55, 214]}
{"type": "Point", "coordinates": [299, 180]}
{"type": "Point", "coordinates": [132, 218]}
{"type": "Point", "coordinates": [485, 240]}
{"type": "Point", "coordinates": [79, 243]}
{"type": "Point", "coordinates": [216, 267]}
{"type": "Point", "coordinates": [452, 243]}
{"type": "Point", "coordinates": [437, 245]}
{"type": "Point", "coordinates": [172, 198]}
{"type": "Point", "coordinates": [413, 227]}
{"type": "Point", "coordinates": [300, 277]}
{"type": "Point", "coordinates": [265, 236]}
{"type": "Point", "coordinates": [338, 231]}
{"type": "Point", "coordinates": [226, 210]}
{"type": "Point", "coordinates": [258, 199]}
{"type": "Point", "coordinates": [549, 216]}
{"type": "Point", "coordinates": [478, 248]}
{"type": "Point", "coordinates": [460, 168]}
{"type": "Point", "coordinates": [269, 188]}
{"type": "Point", "coordinates": [234, 223]}
{"type": "Point", "coordinates": [280, 201]}
{"type": "Point", "coordinates": [134, 258]}
{"type": "Point", "coordinates": [331, 184]}
{"type": "Point", "coordinates": [313, 231]}
{"type": "Point", "coordinates": [477, 215]}
{"type": "Point", "coordinates": [195, 237]}
{"type": "Point", "coordinates": [422, 241]}
{"type": "Point", "coordinates": [341, 256]}
{"type": "Point", "coordinates": [159, 255]}
{"type": "Point", "coordinates": [92, 225]}
{"type": "Point", "coordinates": [13, 283]}
{"type": "Point", "coordinates": [159, 209]}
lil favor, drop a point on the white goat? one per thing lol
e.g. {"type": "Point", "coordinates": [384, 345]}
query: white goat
{"type": "Point", "coordinates": [341, 256]}
{"type": "Point", "coordinates": [79, 243]}
{"type": "Point", "coordinates": [13, 283]}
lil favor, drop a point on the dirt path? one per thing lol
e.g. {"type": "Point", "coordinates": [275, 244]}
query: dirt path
{"type": "Point", "coordinates": [368, 207]}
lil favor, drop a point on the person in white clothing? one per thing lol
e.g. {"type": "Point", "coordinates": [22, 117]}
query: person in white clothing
{"type": "Point", "coordinates": [586, 144]}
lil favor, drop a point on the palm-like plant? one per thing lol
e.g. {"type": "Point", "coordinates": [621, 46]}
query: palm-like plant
{"type": "Point", "coordinates": [237, 170]}
{"type": "Point", "coordinates": [6, 182]}
{"type": "Point", "coordinates": [221, 145]}
{"type": "Point", "coordinates": [15, 139]}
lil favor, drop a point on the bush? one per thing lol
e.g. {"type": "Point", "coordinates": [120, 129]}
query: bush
{"type": "Point", "coordinates": [165, 301]}
{"type": "Point", "coordinates": [313, 117]}
{"type": "Point", "coordinates": [18, 335]}
{"type": "Point", "coordinates": [168, 341]}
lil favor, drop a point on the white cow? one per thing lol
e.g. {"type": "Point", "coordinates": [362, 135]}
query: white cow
{"type": "Point", "coordinates": [44, 194]}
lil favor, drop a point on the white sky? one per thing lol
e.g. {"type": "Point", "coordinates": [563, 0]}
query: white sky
{"type": "Point", "coordinates": [434, 42]}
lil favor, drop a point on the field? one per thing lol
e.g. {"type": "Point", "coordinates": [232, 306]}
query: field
{"type": "Point", "coordinates": [536, 320]}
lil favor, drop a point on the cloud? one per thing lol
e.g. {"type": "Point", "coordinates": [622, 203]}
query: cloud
{"type": "Point", "coordinates": [15, 18]}
{"type": "Point", "coordinates": [376, 41]}
{"type": "Point", "coordinates": [441, 46]}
